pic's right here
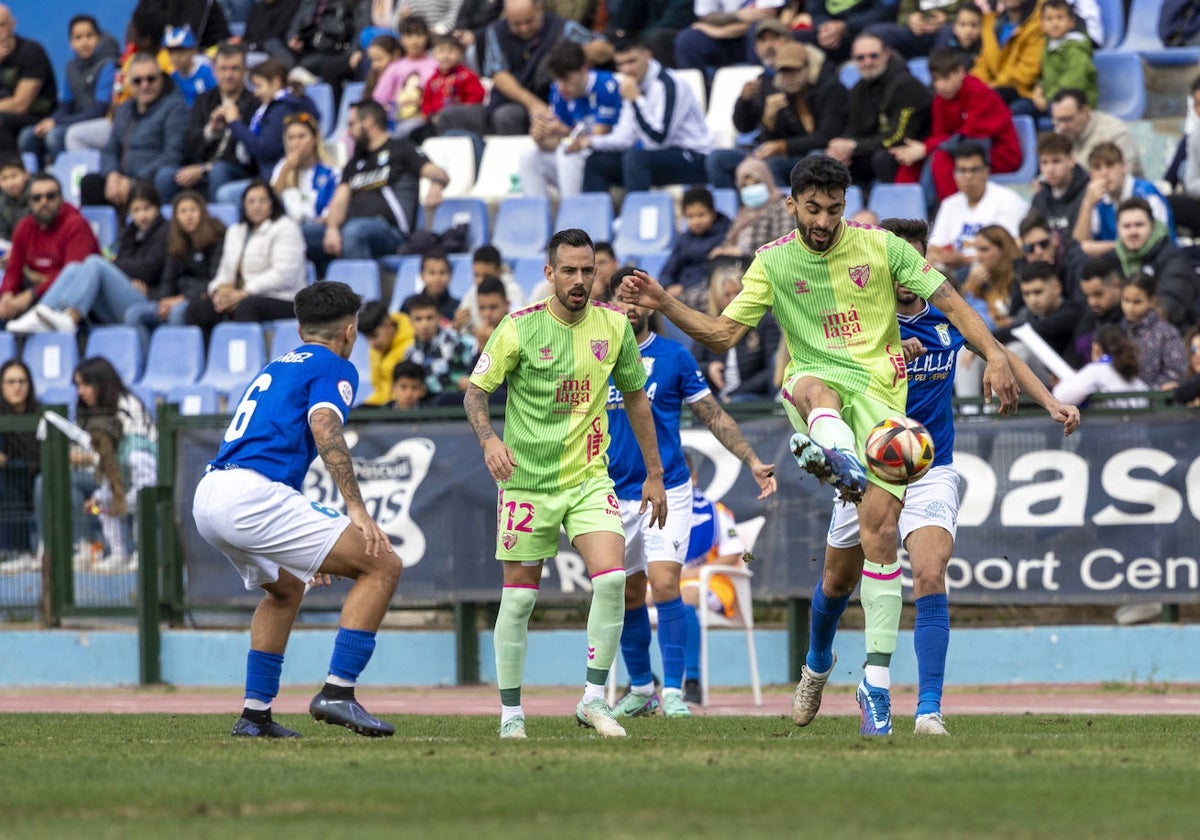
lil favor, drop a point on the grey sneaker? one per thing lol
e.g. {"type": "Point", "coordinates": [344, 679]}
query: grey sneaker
{"type": "Point", "coordinates": [595, 714]}
{"type": "Point", "coordinates": [673, 706]}
{"type": "Point", "coordinates": [636, 705]}
{"type": "Point", "coordinates": [930, 724]}
{"type": "Point", "coordinates": [513, 728]}
{"type": "Point", "coordinates": [807, 698]}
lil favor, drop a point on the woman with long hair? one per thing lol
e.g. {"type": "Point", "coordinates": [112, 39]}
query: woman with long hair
{"type": "Point", "coordinates": [20, 461]}
{"type": "Point", "coordinates": [1113, 369]}
{"type": "Point", "coordinates": [745, 373]}
{"type": "Point", "coordinates": [305, 178]}
{"type": "Point", "coordinates": [989, 285]}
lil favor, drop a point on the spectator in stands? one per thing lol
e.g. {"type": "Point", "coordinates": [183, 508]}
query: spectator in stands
{"type": "Point", "coordinates": [388, 336]}
{"type": "Point", "coordinates": [1185, 204]}
{"type": "Point", "coordinates": [1043, 307]}
{"type": "Point", "coordinates": [1162, 359]}
{"type": "Point", "coordinates": [304, 177]}
{"type": "Point", "coordinates": [403, 74]}
{"type": "Point", "coordinates": [745, 373]}
{"type": "Point", "coordinates": [324, 37]}
{"type": "Point", "coordinates": [408, 387]}
{"type": "Point", "coordinates": [661, 137]}
{"type": "Point", "coordinates": [1100, 284]}
{"type": "Point", "coordinates": [917, 26]}
{"type": "Point", "coordinates": [517, 47]}
{"type": "Point", "coordinates": [763, 216]}
{"type": "Point", "coordinates": [1086, 128]}
{"type": "Point", "coordinates": [1066, 61]}
{"type": "Point", "coordinates": [1113, 369]}
{"type": "Point", "coordinates": [447, 356]}
{"type": "Point", "coordinates": [836, 24]}
{"type": "Point", "coordinates": [685, 274]}
{"type": "Point", "coordinates": [1110, 184]}
{"type": "Point", "coordinates": [375, 206]}
{"type": "Point", "coordinates": [20, 462]}
{"type": "Point", "coordinates": [990, 286]}
{"type": "Point", "coordinates": [807, 110]}
{"type": "Point", "coordinates": [1061, 183]}
{"type": "Point", "coordinates": [486, 262]}
{"type": "Point", "coordinates": [1010, 52]}
{"type": "Point", "coordinates": [1187, 392]}
{"type": "Point", "coordinates": [266, 32]}
{"type": "Point", "coordinates": [191, 75]}
{"type": "Point", "coordinates": [654, 24]}
{"type": "Point", "coordinates": [493, 305]}
{"type": "Point", "coordinates": [1178, 24]}
{"type": "Point", "coordinates": [470, 27]}
{"type": "Point", "coordinates": [210, 150]}
{"type": "Point", "coordinates": [748, 107]}
{"type": "Point", "coordinates": [14, 200]}
{"type": "Point", "coordinates": [147, 140]}
{"type": "Point", "coordinates": [888, 106]}
{"type": "Point", "coordinates": [452, 84]}
{"type": "Point", "coordinates": [262, 265]}
{"type": "Point", "coordinates": [978, 203]}
{"type": "Point", "coordinates": [101, 290]}
{"type": "Point", "coordinates": [582, 101]}
{"type": "Point", "coordinates": [51, 237]}
{"type": "Point", "coordinates": [28, 90]}
{"type": "Point", "coordinates": [718, 37]}
{"type": "Point", "coordinates": [1040, 243]}
{"type": "Point", "coordinates": [965, 34]}
{"type": "Point", "coordinates": [435, 286]}
{"type": "Point", "coordinates": [1144, 245]}
{"type": "Point", "coordinates": [964, 110]}
{"type": "Point", "coordinates": [85, 95]}
{"type": "Point", "coordinates": [206, 18]}
{"type": "Point", "coordinates": [439, 15]}
{"type": "Point", "coordinates": [384, 82]}
{"type": "Point", "coordinates": [194, 244]}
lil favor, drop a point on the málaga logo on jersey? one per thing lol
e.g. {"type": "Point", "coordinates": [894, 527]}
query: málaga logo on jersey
{"type": "Point", "coordinates": [388, 484]}
{"type": "Point", "coordinates": [600, 349]}
{"type": "Point", "coordinates": [860, 275]}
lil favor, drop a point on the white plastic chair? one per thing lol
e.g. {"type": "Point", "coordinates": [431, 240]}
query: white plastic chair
{"type": "Point", "coordinates": [501, 156]}
{"type": "Point", "coordinates": [740, 577]}
{"type": "Point", "coordinates": [726, 88]}
{"type": "Point", "coordinates": [456, 155]}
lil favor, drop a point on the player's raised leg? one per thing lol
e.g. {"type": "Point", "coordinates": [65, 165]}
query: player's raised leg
{"type": "Point", "coordinates": [603, 553]}
{"type": "Point", "coordinates": [881, 600]}
{"type": "Point", "coordinates": [827, 450]}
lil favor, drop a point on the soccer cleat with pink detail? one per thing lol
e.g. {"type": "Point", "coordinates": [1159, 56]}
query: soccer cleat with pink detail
{"type": "Point", "coordinates": [831, 466]}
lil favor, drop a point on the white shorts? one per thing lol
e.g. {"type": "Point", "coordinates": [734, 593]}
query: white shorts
{"type": "Point", "coordinates": [644, 545]}
{"type": "Point", "coordinates": [263, 526]}
{"type": "Point", "coordinates": [933, 500]}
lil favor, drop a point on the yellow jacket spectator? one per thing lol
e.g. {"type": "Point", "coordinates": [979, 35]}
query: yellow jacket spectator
{"type": "Point", "coordinates": [388, 335]}
{"type": "Point", "coordinates": [1010, 53]}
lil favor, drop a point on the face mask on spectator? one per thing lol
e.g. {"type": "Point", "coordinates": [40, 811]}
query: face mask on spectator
{"type": "Point", "coordinates": [755, 196]}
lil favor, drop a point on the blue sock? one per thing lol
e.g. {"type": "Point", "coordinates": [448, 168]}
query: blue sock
{"type": "Point", "coordinates": [692, 656]}
{"type": "Point", "coordinates": [931, 638]}
{"type": "Point", "coordinates": [635, 645]}
{"type": "Point", "coordinates": [352, 651]}
{"type": "Point", "coordinates": [825, 615]}
{"type": "Point", "coordinates": [672, 641]}
{"type": "Point", "coordinates": [262, 675]}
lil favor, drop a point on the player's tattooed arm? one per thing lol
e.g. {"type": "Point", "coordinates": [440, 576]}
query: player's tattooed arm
{"type": "Point", "coordinates": [726, 431]}
{"type": "Point", "coordinates": [475, 403]}
{"type": "Point", "coordinates": [326, 428]}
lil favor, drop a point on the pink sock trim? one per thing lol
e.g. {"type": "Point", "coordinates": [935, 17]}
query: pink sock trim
{"type": "Point", "coordinates": [877, 576]}
{"type": "Point", "coordinates": [820, 414]}
{"type": "Point", "coordinates": [520, 586]}
{"type": "Point", "coordinates": [608, 572]}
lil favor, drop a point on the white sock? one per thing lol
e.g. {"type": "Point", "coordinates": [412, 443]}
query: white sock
{"type": "Point", "coordinates": [879, 676]}
{"type": "Point", "coordinates": [667, 691]}
{"type": "Point", "coordinates": [256, 705]}
{"type": "Point", "coordinates": [507, 713]}
{"type": "Point", "coordinates": [646, 690]}
{"type": "Point", "coordinates": [344, 683]}
{"type": "Point", "coordinates": [591, 691]}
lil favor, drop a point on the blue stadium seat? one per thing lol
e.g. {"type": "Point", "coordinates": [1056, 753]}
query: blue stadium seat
{"type": "Point", "coordinates": [194, 399]}
{"type": "Point", "coordinates": [229, 214]}
{"type": "Point", "coordinates": [1027, 171]}
{"type": "Point", "coordinates": [522, 226]}
{"type": "Point", "coordinates": [360, 357]}
{"type": "Point", "coordinates": [652, 263]}
{"type": "Point", "coordinates": [1122, 85]}
{"type": "Point", "coordinates": [103, 220]}
{"type": "Point", "coordinates": [462, 274]}
{"type": "Point", "coordinates": [848, 75]}
{"type": "Point", "coordinates": [175, 357]}
{"type": "Point", "coordinates": [147, 396]}
{"type": "Point", "coordinates": [351, 93]}
{"type": "Point", "coordinates": [919, 67]}
{"type": "Point", "coordinates": [725, 201]}
{"type": "Point", "coordinates": [285, 337]}
{"type": "Point", "coordinates": [360, 275]}
{"type": "Point", "coordinates": [8, 346]}
{"type": "Point", "coordinates": [1142, 38]}
{"type": "Point", "coordinates": [1112, 16]}
{"type": "Point", "coordinates": [408, 273]}
{"type": "Point", "coordinates": [61, 395]}
{"type": "Point", "coordinates": [529, 272]}
{"type": "Point", "coordinates": [121, 345]}
{"type": "Point", "coordinates": [70, 167]}
{"type": "Point", "coordinates": [31, 162]}
{"type": "Point", "coordinates": [52, 359]}
{"type": "Point", "coordinates": [647, 224]}
{"type": "Point", "coordinates": [592, 212]}
{"type": "Point", "coordinates": [321, 95]}
{"type": "Point", "coordinates": [470, 211]}
{"type": "Point", "coordinates": [236, 353]}
{"type": "Point", "coordinates": [854, 200]}
{"type": "Point", "coordinates": [900, 201]}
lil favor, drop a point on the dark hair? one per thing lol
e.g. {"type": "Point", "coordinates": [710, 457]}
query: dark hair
{"type": "Point", "coordinates": [1195, 84]}
{"type": "Point", "coordinates": [1147, 283]}
{"type": "Point", "coordinates": [272, 68]}
{"type": "Point", "coordinates": [1136, 203]}
{"type": "Point", "coordinates": [945, 60]}
{"type": "Point", "coordinates": [322, 307]}
{"type": "Point", "coordinates": [1108, 270]}
{"type": "Point", "coordinates": [98, 372]}
{"type": "Point", "coordinates": [486, 254]}
{"type": "Point", "coordinates": [415, 25]}
{"type": "Point", "coordinates": [571, 237]}
{"type": "Point", "coordinates": [968, 7]}
{"type": "Point", "coordinates": [698, 195]}
{"type": "Point", "coordinates": [143, 191]}
{"type": "Point", "coordinates": [45, 176]}
{"type": "Point", "coordinates": [408, 369]}
{"type": "Point", "coordinates": [389, 45]}
{"type": "Point", "coordinates": [627, 43]}
{"type": "Point", "coordinates": [1032, 222]}
{"type": "Point", "coordinates": [1053, 143]}
{"type": "Point", "coordinates": [31, 403]}
{"type": "Point", "coordinates": [12, 162]}
{"type": "Point", "coordinates": [1038, 271]}
{"type": "Point", "coordinates": [1120, 348]}
{"type": "Point", "coordinates": [1062, 5]}
{"type": "Point", "coordinates": [968, 149]}
{"type": "Point", "coordinates": [447, 40]}
{"type": "Point", "coordinates": [420, 301]}
{"type": "Point", "coordinates": [491, 285]}
{"type": "Point", "coordinates": [566, 58]}
{"type": "Point", "coordinates": [276, 202]}
{"type": "Point", "coordinates": [1081, 98]}
{"type": "Point", "coordinates": [88, 19]}
{"type": "Point", "coordinates": [430, 256]}
{"type": "Point", "coordinates": [821, 173]}
{"type": "Point", "coordinates": [230, 49]}
{"type": "Point", "coordinates": [146, 26]}
{"type": "Point", "coordinates": [1105, 153]}
{"type": "Point", "coordinates": [620, 274]}
{"type": "Point", "coordinates": [372, 316]}
{"type": "Point", "coordinates": [373, 110]}
{"type": "Point", "coordinates": [913, 231]}
{"type": "Point", "coordinates": [208, 233]}
{"type": "Point", "coordinates": [604, 248]}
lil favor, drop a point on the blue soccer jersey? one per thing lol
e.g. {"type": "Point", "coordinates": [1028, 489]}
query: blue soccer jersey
{"type": "Point", "coordinates": [672, 379]}
{"type": "Point", "coordinates": [599, 105]}
{"type": "Point", "coordinates": [931, 377]}
{"type": "Point", "coordinates": [269, 431]}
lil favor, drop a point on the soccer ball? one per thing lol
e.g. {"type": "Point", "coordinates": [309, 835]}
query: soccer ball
{"type": "Point", "coordinates": [899, 450]}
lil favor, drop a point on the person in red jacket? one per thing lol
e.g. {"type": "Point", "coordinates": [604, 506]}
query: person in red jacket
{"type": "Point", "coordinates": [43, 244]}
{"type": "Point", "coordinates": [452, 84]}
{"type": "Point", "coordinates": [964, 109]}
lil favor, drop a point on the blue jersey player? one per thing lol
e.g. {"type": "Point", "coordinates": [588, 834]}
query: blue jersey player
{"type": "Point", "coordinates": [249, 506]}
{"type": "Point", "coordinates": [928, 519]}
{"type": "Point", "coordinates": [672, 380]}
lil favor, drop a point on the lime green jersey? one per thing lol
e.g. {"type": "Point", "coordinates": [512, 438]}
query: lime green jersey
{"type": "Point", "coordinates": [555, 419]}
{"type": "Point", "coordinates": [837, 308]}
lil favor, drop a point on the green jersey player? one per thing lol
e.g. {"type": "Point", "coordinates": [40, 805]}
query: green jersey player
{"type": "Point", "coordinates": [829, 284]}
{"type": "Point", "coordinates": [552, 465]}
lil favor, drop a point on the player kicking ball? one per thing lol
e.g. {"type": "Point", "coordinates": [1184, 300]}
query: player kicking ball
{"type": "Point", "coordinates": [250, 508]}
{"type": "Point", "coordinates": [557, 357]}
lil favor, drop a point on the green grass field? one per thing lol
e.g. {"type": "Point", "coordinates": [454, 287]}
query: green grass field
{"type": "Point", "coordinates": [134, 776]}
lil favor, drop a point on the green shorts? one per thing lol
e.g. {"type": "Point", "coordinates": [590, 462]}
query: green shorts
{"type": "Point", "coordinates": [527, 521]}
{"type": "Point", "coordinates": [861, 414]}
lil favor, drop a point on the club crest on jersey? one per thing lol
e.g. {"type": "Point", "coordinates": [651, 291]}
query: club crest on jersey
{"type": "Point", "coordinates": [648, 364]}
{"type": "Point", "coordinates": [346, 391]}
{"type": "Point", "coordinates": [860, 274]}
{"type": "Point", "coordinates": [481, 367]}
{"type": "Point", "coordinates": [943, 334]}
{"type": "Point", "coordinates": [600, 349]}
{"type": "Point", "coordinates": [509, 540]}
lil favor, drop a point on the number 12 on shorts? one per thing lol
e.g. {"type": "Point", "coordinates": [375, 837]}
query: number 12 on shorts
{"type": "Point", "coordinates": [520, 516]}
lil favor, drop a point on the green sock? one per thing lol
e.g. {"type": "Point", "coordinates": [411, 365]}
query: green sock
{"type": "Point", "coordinates": [827, 428]}
{"type": "Point", "coordinates": [511, 639]}
{"type": "Point", "coordinates": [881, 601]}
{"type": "Point", "coordinates": [605, 620]}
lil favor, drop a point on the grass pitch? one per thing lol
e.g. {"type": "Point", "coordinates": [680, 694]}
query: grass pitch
{"type": "Point", "coordinates": [157, 776]}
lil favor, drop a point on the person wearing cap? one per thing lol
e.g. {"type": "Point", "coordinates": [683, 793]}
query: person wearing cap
{"type": "Point", "coordinates": [191, 73]}
{"type": "Point", "coordinates": [718, 37]}
{"type": "Point", "coordinates": [806, 111]}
